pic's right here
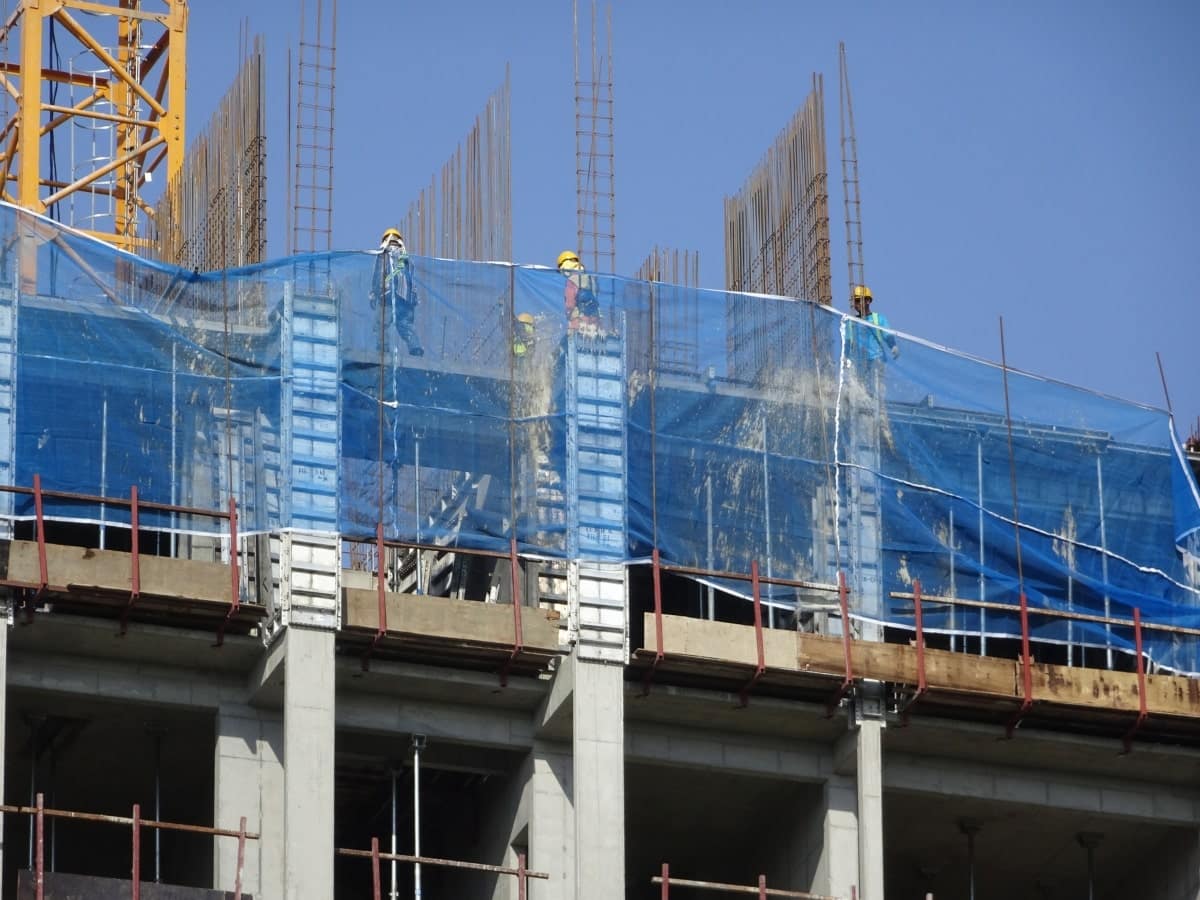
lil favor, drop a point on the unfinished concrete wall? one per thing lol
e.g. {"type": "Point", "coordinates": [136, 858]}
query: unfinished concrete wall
{"type": "Point", "coordinates": [551, 831]}
{"type": "Point", "coordinates": [308, 729]}
{"type": "Point", "coordinates": [598, 764]}
{"type": "Point", "coordinates": [249, 781]}
{"type": "Point", "coordinates": [1172, 873]}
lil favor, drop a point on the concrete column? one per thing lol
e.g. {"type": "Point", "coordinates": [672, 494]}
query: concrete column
{"type": "Point", "coordinates": [831, 840]}
{"type": "Point", "coordinates": [1173, 873]}
{"type": "Point", "coordinates": [308, 742]}
{"type": "Point", "coordinates": [869, 755]}
{"type": "Point", "coordinates": [249, 782]}
{"type": "Point", "coordinates": [4, 612]}
{"type": "Point", "coordinates": [551, 829]}
{"type": "Point", "coordinates": [598, 749]}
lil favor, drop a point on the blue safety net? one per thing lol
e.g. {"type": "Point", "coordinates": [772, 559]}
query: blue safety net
{"type": "Point", "coordinates": [728, 431]}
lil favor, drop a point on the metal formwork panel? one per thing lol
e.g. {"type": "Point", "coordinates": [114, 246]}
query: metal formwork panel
{"type": "Point", "coordinates": [8, 403]}
{"type": "Point", "coordinates": [596, 446]}
{"type": "Point", "coordinates": [310, 575]}
{"type": "Point", "coordinates": [311, 375]}
{"type": "Point", "coordinates": [596, 496]}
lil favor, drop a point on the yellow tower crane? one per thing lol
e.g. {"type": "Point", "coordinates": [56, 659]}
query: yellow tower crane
{"type": "Point", "coordinates": [127, 73]}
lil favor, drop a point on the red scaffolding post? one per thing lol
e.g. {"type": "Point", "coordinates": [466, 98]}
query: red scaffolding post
{"type": "Point", "coordinates": [39, 861]}
{"type": "Point", "coordinates": [135, 565]}
{"type": "Point", "coordinates": [241, 860]}
{"type": "Point", "coordinates": [40, 526]}
{"type": "Point", "coordinates": [381, 623]}
{"type": "Point", "coordinates": [761, 666]}
{"type": "Point", "coordinates": [1026, 672]}
{"type": "Point", "coordinates": [656, 575]}
{"type": "Point", "coordinates": [136, 868]}
{"type": "Point", "coordinates": [922, 684]}
{"type": "Point", "coordinates": [376, 887]}
{"type": "Point", "coordinates": [847, 656]}
{"type": "Point", "coordinates": [235, 590]}
{"type": "Point", "coordinates": [514, 563]}
{"type": "Point", "coordinates": [1141, 682]}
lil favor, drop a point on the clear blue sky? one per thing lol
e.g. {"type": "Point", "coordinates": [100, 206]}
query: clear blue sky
{"type": "Point", "coordinates": [1035, 160]}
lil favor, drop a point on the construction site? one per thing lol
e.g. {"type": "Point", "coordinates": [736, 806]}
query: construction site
{"type": "Point", "coordinates": [711, 591]}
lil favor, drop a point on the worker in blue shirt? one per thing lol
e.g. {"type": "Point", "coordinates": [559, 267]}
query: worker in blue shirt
{"type": "Point", "coordinates": [869, 337]}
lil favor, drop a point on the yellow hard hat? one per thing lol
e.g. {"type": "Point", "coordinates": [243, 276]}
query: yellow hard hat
{"type": "Point", "coordinates": [392, 233]}
{"type": "Point", "coordinates": [567, 255]}
{"type": "Point", "coordinates": [527, 318]}
{"type": "Point", "coordinates": [862, 292]}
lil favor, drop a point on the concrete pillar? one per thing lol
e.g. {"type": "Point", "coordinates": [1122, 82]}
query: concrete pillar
{"type": "Point", "coordinates": [4, 613]}
{"type": "Point", "coordinates": [598, 749]}
{"type": "Point", "coordinates": [551, 830]}
{"type": "Point", "coordinates": [308, 745]}
{"type": "Point", "coordinates": [869, 782]}
{"type": "Point", "coordinates": [831, 842]}
{"type": "Point", "coordinates": [1172, 873]}
{"type": "Point", "coordinates": [249, 782]}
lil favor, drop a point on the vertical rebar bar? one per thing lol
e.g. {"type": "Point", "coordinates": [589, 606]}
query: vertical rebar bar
{"type": "Point", "coordinates": [466, 210]}
{"type": "Point", "coordinates": [850, 185]}
{"type": "Point", "coordinates": [594, 146]}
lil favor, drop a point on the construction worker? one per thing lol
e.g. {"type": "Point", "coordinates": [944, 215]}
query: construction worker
{"type": "Point", "coordinates": [392, 283]}
{"type": "Point", "coordinates": [866, 343]}
{"type": "Point", "coordinates": [583, 309]}
{"type": "Point", "coordinates": [524, 336]}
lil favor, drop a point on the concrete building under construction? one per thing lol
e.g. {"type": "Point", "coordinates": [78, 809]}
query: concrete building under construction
{"type": "Point", "coordinates": [725, 591]}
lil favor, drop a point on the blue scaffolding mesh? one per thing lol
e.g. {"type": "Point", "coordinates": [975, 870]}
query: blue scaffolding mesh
{"type": "Point", "coordinates": [751, 428]}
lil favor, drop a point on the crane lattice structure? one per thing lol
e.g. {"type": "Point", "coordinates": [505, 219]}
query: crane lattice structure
{"type": "Point", "coordinates": [123, 68]}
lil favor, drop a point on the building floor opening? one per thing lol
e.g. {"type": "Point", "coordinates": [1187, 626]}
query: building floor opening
{"type": "Point", "coordinates": [957, 847]}
{"type": "Point", "coordinates": [92, 756]}
{"type": "Point", "coordinates": [697, 821]}
{"type": "Point", "coordinates": [464, 795]}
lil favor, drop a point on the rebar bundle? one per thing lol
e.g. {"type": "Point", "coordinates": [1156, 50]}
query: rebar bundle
{"type": "Point", "coordinates": [777, 225]}
{"type": "Point", "coordinates": [466, 210]}
{"type": "Point", "coordinates": [212, 215]}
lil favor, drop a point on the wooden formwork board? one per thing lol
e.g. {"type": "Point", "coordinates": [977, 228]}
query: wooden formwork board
{"type": "Point", "coordinates": [726, 648]}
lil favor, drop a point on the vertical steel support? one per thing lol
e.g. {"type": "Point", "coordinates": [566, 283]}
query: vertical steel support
{"type": "Point", "coordinates": [762, 887]}
{"type": "Point", "coordinates": [376, 887]}
{"type": "Point", "coordinates": [1104, 562]}
{"type": "Point", "coordinates": [982, 551]}
{"type": "Point", "coordinates": [235, 591]}
{"type": "Point", "coordinates": [518, 638]}
{"type": "Point", "coordinates": [135, 875]}
{"type": "Point", "coordinates": [135, 568]}
{"type": "Point", "coordinates": [922, 683]}
{"type": "Point", "coordinates": [847, 657]}
{"type": "Point", "coordinates": [522, 877]}
{"type": "Point", "coordinates": [381, 624]}
{"type": "Point", "coordinates": [39, 859]}
{"type": "Point", "coordinates": [1141, 681]}
{"type": "Point", "coordinates": [760, 667]}
{"type": "Point", "coordinates": [666, 881]}
{"type": "Point", "coordinates": [39, 515]}
{"type": "Point", "coordinates": [1026, 671]}
{"type": "Point", "coordinates": [241, 860]}
{"type": "Point", "coordinates": [656, 574]}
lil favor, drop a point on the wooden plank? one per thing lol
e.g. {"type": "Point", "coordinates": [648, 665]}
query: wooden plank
{"type": "Point", "coordinates": [724, 647]}
{"type": "Point", "coordinates": [444, 618]}
{"type": "Point", "coordinates": [110, 570]}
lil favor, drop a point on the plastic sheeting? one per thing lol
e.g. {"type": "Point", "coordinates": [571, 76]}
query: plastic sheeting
{"type": "Point", "coordinates": [756, 429]}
